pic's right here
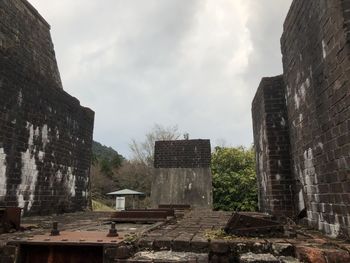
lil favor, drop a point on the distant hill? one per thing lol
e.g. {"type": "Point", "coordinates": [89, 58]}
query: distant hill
{"type": "Point", "coordinates": [102, 152]}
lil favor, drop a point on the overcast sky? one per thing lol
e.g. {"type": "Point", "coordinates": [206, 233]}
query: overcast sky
{"type": "Point", "coordinates": [194, 63]}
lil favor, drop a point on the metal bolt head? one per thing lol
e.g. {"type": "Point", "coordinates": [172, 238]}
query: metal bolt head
{"type": "Point", "coordinates": [54, 230]}
{"type": "Point", "coordinates": [112, 231]}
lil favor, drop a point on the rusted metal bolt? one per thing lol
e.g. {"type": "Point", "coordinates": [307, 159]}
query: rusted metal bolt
{"type": "Point", "coordinates": [54, 230]}
{"type": "Point", "coordinates": [112, 231]}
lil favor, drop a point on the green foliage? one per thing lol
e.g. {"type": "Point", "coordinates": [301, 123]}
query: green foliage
{"type": "Point", "coordinates": [101, 152]}
{"type": "Point", "coordinates": [106, 168]}
{"type": "Point", "coordinates": [106, 158]}
{"type": "Point", "coordinates": [234, 179]}
{"type": "Point", "coordinates": [116, 161]}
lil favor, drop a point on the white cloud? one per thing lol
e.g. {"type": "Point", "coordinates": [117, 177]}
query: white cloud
{"type": "Point", "coordinates": [193, 63]}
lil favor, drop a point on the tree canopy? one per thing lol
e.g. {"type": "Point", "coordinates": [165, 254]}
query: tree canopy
{"type": "Point", "coordinates": [234, 179]}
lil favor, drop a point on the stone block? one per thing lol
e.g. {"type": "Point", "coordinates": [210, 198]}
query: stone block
{"type": "Point", "coordinates": [309, 254]}
{"type": "Point", "coordinates": [258, 258]}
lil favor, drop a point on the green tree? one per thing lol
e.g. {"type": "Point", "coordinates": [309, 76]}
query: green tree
{"type": "Point", "coordinates": [106, 168]}
{"type": "Point", "coordinates": [234, 179]}
{"type": "Point", "coordinates": [117, 161]}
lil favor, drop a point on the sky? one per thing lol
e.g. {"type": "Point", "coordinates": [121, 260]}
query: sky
{"type": "Point", "coordinates": [192, 63]}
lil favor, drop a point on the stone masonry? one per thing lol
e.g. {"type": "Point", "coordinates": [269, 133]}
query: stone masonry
{"type": "Point", "coordinates": [45, 135]}
{"type": "Point", "coordinates": [316, 63]}
{"type": "Point", "coordinates": [182, 173]}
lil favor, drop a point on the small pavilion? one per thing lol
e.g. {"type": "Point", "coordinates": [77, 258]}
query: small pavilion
{"type": "Point", "coordinates": [122, 194]}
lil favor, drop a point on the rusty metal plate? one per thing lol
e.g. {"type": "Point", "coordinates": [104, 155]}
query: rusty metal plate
{"type": "Point", "coordinates": [243, 224]}
{"type": "Point", "coordinates": [70, 238]}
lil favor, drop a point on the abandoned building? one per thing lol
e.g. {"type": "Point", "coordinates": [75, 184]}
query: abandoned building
{"type": "Point", "coordinates": [301, 134]}
{"type": "Point", "coordinates": [182, 173]}
{"type": "Point", "coordinates": [45, 135]}
{"type": "Point", "coordinates": [301, 120]}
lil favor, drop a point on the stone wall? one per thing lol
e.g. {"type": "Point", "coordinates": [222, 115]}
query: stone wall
{"type": "Point", "coordinates": [272, 145]}
{"type": "Point", "coordinates": [182, 173]}
{"type": "Point", "coordinates": [45, 135]}
{"type": "Point", "coordinates": [315, 48]}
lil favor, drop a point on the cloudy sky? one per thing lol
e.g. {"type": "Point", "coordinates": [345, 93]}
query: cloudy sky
{"type": "Point", "coordinates": [191, 63]}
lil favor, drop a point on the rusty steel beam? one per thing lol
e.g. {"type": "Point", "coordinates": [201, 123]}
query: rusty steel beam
{"type": "Point", "coordinates": [175, 206]}
{"type": "Point", "coordinates": [169, 211]}
{"type": "Point", "coordinates": [139, 216]}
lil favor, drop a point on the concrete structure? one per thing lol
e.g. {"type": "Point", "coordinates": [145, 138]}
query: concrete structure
{"type": "Point", "coordinates": [182, 173]}
{"type": "Point", "coordinates": [45, 135]}
{"type": "Point", "coordinates": [316, 63]}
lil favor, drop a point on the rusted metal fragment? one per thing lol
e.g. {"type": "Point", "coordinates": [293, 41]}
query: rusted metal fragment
{"type": "Point", "coordinates": [169, 211]}
{"type": "Point", "coordinates": [139, 216]}
{"type": "Point", "coordinates": [241, 224]}
{"type": "Point", "coordinates": [175, 206]}
{"type": "Point", "coordinates": [10, 218]}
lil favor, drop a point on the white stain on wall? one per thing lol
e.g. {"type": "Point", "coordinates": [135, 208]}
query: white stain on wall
{"type": "Point", "coordinates": [59, 175]}
{"type": "Point", "coordinates": [301, 201]}
{"type": "Point", "coordinates": [29, 173]}
{"type": "Point", "coordinates": [300, 93]}
{"type": "Point", "coordinates": [3, 179]}
{"type": "Point", "coordinates": [309, 171]}
{"type": "Point", "coordinates": [296, 100]}
{"type": "Point", "coordinates": [71, 181]}
{"type": "Point", "coordinates": [324, 49]}
{"type": "Point", "coordinates": [283, 122]}
{"type": "Point", "coordinates": [45, 135]}
{"type": "Point", "coordinates": [20, 98]}
{"type": "Point", "coordinates": [41, 156]}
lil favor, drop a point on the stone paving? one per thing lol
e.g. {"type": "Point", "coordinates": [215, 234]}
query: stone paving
{"type": "Point", "coordinates": [197, 233]}
{"type": "Point", "coordinates": [193, 234]}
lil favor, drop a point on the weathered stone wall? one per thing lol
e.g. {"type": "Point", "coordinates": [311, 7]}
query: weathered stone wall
{"type": "Point", "coordinates": [315, 47]}
{"type": "Point", "coordinates": [45, 135]}
{"type": "Point", "coordinates": [182, 173]}
{"type": "Point", "coordinates": [272, 145]}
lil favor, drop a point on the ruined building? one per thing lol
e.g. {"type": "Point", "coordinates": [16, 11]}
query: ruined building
{"type": "Point", "coordinates": [182, 173]}
{"type": "Point", "coordinates": [45, 135]}
{"type": "Point", "coordinates": [302, 119]}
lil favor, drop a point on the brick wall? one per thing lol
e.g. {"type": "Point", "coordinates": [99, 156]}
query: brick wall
{"type": "Point", "coordinates": [182, 173]}
{"type": "Point", "coordinates": [45, 135]}
{"type": "Point", "coordinates": [316, 52]}
{"type": "Point", "coordinates": [182, 154]}
{"type": "Point", "coordinates": [271, 140]}
{"type": "Point", "coordinates": [315, 47]}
